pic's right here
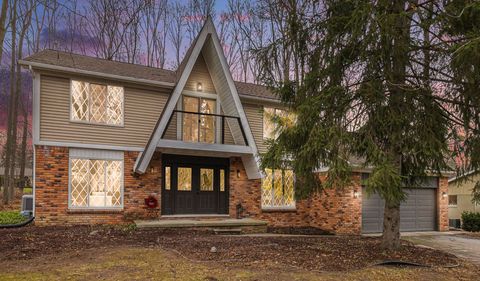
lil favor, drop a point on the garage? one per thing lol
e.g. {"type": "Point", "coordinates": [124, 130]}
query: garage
{"type": "Point", "coordinates": [417, 212]}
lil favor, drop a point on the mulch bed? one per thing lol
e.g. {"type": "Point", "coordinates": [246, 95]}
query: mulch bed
{"type": "Point", "coordinates": [326, 253]}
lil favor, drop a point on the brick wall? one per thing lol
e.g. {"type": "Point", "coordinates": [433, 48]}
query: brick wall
{"type": "Point", "coordinates": [442, 205]}
{"type": "Point", "coordinates": [336, 211]}
{"type": "Point", "coordinates": [332, 210]}
{"type": "Point", "coordinates": [51, 191]}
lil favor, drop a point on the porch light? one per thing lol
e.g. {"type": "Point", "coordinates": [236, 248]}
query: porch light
{"type": "Point", "coordinates": [356, 194]}
{"type": "Point", "coordinates": [238, 174]}
{"type": "Point", "coordinates": [152, 170]}
{"type": "Point", "coordinates": [444, 194]}
{"type": "Point", "coordinates": [199, 87]}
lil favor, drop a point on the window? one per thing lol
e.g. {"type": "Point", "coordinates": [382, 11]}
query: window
{"type": "Point", "coordinates": [222, 180]}
{"type": "Point", "coordinates": [96, 183]}
{"type": "Point", "coordinates": [198, 127]}
{"type": "Point", "coordinates": [277, 189]}
{"type": "Point", "coordinates": [269, 113]}
{"type": "Point", "coordinates": [96, 103]}
{"type": "Point", "coordinates": [206, 179]}
{"type": "Point", "coordinates": [167, 178]}
{"type": "Point", "coordinates": [452, 200]}
{"type": "Point", "coordinates": [184, 179]}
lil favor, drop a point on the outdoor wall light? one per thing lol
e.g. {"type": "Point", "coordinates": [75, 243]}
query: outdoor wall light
{"type": "Point", "coordinates": [199, 87]}
{"type": "Point", "coordinates": [444, 194]}
{"type": "Point", "coordinates": [238, 174]}
{"type": "Point", "coordinates": [152, 170]}
{"type": "Point", "coordinates": [356, 194]}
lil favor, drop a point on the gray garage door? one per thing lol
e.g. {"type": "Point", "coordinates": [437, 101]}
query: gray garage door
{"type": "Point", "coordinates": [417, 212]}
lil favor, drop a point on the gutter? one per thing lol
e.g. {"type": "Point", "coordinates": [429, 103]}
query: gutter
{"type": "Point", "coordinates": [95, 73]}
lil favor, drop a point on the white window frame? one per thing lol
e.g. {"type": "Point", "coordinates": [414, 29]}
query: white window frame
{"type": "Point", "coordinates": [121, 125]}
{"type": "Point", "coordinates": [92, 154]}
{"type": "Point", "coordinates": [275, 113]}
{"type": "Point", "coordinates": [277, 208]}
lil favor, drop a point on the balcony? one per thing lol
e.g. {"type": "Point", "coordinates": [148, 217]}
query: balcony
{"type": "Point", "coordinates": [204, 134]}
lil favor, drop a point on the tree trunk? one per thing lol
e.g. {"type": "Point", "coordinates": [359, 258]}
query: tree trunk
{"type": "Point", "coordinates": [24, 102]}
{"type": "Point", "coordinates": [12, 111]}
{"type": "Point", "coordinates": [3, 30]}
{"type": "Point", "coordinates": [391, 226]}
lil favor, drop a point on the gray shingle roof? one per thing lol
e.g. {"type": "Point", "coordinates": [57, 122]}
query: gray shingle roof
{"type": "Point", "coordinates": [87, 63]}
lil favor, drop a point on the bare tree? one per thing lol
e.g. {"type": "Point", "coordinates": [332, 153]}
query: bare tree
{"type": "Point", "coordinates": [109, 21]}
{"type": "Point", "coordinates": [12, 113]}
{"type": "Point", "coordinates": [26, 10]}
{"type": "Point", "coordinates": [3, 29]}
{"type": "Point", "coordinates": [154, 25]}
{"type": "Point", "coordinates": [175, 30]}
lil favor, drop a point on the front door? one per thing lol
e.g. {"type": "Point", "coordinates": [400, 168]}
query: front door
{"type": "Point", "coordinates": [194, 185]}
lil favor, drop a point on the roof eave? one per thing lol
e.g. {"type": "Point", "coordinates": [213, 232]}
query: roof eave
{"type": "Point", "coordinates": [46, 66]}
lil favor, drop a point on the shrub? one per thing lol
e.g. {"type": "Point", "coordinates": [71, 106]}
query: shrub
{"type": "Point", "coordinates": [11, 217]}
{"type": "Point", "coordinates": [471, 221]}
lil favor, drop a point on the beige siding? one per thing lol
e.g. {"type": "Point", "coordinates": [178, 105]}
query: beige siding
{"type": "Point", "coordinates": [171, 130]}
{"type": "Point", "coordinates": [200, 74]}
{"type": "Point", "coordinates": [254, 114]}
{"type": "Point", "coordinates": [463, 190]}
{"type": "Point", "coordinates": [142, 109]}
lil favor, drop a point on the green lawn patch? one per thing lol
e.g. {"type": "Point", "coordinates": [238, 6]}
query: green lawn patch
{"type": "Point", "coordinates": [11, 217]}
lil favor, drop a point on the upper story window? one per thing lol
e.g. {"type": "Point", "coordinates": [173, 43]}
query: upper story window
{"type": "Point", "coordinates": [269, 113]}
{"type": "Point", "coordinates": [198, 127]}
{"type": "Point", "coordinates": [96, 103]}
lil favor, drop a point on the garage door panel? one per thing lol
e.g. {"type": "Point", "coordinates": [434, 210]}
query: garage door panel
{"type": "Point", "coordinates": [417, 212]}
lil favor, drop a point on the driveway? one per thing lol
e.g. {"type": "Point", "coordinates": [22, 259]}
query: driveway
{"type": "Point", "coordinates": [461, 246]}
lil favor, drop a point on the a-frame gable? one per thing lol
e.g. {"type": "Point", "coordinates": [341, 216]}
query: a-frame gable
{"type": "Point", "coordinates": [207, 44]}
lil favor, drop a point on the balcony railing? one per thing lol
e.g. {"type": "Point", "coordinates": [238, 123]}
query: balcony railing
{"type": "Point", "coordinates": [203, 127]}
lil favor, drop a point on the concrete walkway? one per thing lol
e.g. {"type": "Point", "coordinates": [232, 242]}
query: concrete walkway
{"type": "Point", "coordinates": [461, 246]}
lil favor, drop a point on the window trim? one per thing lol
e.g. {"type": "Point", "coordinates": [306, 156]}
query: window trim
{"type": "Point", "coordinates": [287, 208]}
{"type": "Point", "coordinates": [121, 125]}
{"type": "Point", "coordinates": [275, 113]}
{"type": "Point", "coordinates": [87, 208]}
{"type": "Point", "coordinates": [452, 205]}
{"type": "Point", "coordinates": [199, 95]}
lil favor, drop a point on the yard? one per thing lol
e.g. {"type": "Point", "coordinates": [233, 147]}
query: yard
{"type": "Point", "coordinates": [86, 253]}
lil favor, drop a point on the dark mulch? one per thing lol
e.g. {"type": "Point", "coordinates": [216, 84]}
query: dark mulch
{"type": "Point", "coordinates": [299, 230]}
{"type": "Point", "coordinates": [327, 253]}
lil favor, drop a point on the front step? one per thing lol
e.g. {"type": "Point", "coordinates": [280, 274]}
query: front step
{"type": "Point", "coordinates": [246, 225]}
{"type": "Point", "coordinates": [227, 231]}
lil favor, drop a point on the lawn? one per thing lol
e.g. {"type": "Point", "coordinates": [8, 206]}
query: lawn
{"type": "Point", "coordinates": [88, 253]}
{"type": "Point", "coordinates": [11, 217]}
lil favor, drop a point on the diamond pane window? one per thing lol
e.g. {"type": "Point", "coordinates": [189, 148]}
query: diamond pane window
{"type": "Point", "coordinates": [79, 101]}
{"type": "Point", "coordinates": [269, 126]}
{"type": "Point", "coordinates": [96, 183]}
{"type": "Point", "coordinates": [96, 103]}
{"type": "Point", "coordinates": [278, 189]}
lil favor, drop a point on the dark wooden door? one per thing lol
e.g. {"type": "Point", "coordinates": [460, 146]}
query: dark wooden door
{"type": "Point", "coordinates": [194, 185]}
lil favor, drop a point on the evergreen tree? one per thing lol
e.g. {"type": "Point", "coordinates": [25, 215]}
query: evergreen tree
{"type": "Point", "coordinates": [376, 81]}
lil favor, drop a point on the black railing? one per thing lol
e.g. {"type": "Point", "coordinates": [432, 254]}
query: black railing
{"type": "Point", "coordinates": [223, 119]}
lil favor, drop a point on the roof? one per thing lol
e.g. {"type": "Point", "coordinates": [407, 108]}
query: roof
{"type": "Point", "coordinates": [130, 70]}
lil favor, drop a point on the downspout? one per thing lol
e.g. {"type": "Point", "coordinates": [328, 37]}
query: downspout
{"type": "Point", "coordinates": [33, 147]}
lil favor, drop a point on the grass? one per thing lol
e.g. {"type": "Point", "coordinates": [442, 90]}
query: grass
{"type": "Point", "coordinates": [132, 263]}
{"type": "Point", "coordinates": [27, 190]}
{"type": "Point", "coordinates": [11, 217]}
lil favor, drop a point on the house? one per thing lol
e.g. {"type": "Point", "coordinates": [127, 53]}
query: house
{"type": "Point", "coordinates": [108, 135]}
{"type": "Point", "coordinates": [460, 197]}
